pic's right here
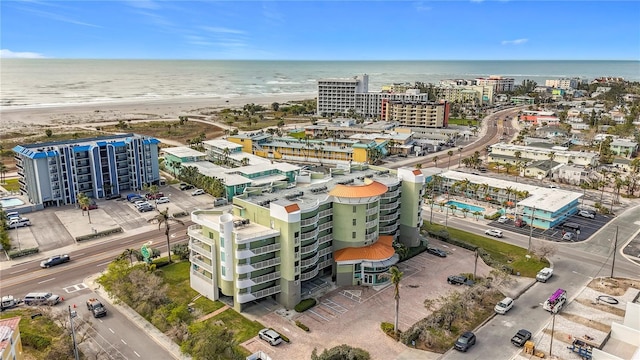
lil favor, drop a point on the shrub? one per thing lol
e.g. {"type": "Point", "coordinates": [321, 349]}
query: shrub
{"type": "Point", "coordinates": [493, 216]}
{"type": "Point", "coordinates": [305, 305]}
{"type": "Point", "coordinates": [99, 234]}
{"type": "Point", "coordinates": [35, 341]}
{"type": "Point", "coordinates": [181, 250]}
{"type": "Point", "coordinates": [180, 214]}
{"type": "Point", "coordinates": [23, 252]}
{"type": "Point", "coordinates": [284, 338]}
{"type": "Point", "coordinates": [302, 326]}
{"type": "Point", "coordinates": [387, 328]}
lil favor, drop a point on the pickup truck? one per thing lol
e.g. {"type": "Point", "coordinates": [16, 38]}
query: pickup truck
{"type": "Point", "coordinates": [521, 337]}
{"type": "Point", "coordinates": [9, 302]}
{"type": "Point", "coordinates": [459, 280]}
{"type": "Point", "coordinates": [544, 275]}
{"type": "Point", "coordinates": [96, 308]}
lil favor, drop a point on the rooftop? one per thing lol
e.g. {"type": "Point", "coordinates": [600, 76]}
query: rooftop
{"type": "Point", "coordinates": [183, 151]}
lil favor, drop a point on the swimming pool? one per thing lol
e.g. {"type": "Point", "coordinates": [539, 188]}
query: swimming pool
{"type": "Point", "coordinates": [460, 206]}
{"type": "Point", "coordinates": [10, 202]}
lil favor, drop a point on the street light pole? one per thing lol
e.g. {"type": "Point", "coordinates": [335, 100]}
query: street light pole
{"type": "Point", "coordinates": [615, 250]}
{"type": "Point", "coordinates": [531, 229]}
{"type": "Point", "coordinates": [73, 334]}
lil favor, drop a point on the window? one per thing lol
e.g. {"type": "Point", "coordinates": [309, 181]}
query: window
{"type": "Point", "coordinates": [297, 234]}
{"type": "Point", "coordinates": [354, 222]}
{"type": "Point", "coordinates": [222, 256]}
{"type": "Point", "coordinates": [354, 209]}
{"type": "Point", "coordinates": [224, 270]}
{"type": "Point", "coordinates": [353, 235]}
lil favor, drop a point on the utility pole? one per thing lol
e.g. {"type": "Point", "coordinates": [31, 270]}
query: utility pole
{"type": "Point", "coordinates": [72, 314]}
{"type": "Point", "coordinates": [531, 229]}
{"type": "Point", "coordinates": [475, 265]}
{"type": "Point", "coordinates": [615, 250]}
{"type": "Point", "coordinates": [553, 325]}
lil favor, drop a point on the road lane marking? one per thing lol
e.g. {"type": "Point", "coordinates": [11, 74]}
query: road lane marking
{"type": "Point", "coordinates": [138, 355]}
{"type": "Point", "coordinates": [113, 332]}
{"type": "Point", "coordinates": [123, 341]}
{"type": "Point", "coordinates": [78, 254]}
{"type": "Point", "coordinates": [15, 272]}
{"type": "Point", "coordinates": [44, 281]}
{"type": "Point", "coordinates": [104, 263]}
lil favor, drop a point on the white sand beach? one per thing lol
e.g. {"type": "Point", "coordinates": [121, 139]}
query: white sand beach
{"type": "Point", "coordinates": [33, 118]}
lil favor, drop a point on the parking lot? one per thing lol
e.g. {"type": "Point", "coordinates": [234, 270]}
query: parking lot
{"type": "Point", "coordinates": [56, 227]}
{"type": "Point", "coordinates": [356, 312]}
{"type": "Point", "coordinates": [587, 228]}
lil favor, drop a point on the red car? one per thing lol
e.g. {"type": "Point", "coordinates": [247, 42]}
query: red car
{"type": "Point", "coordinates": [155, 196]}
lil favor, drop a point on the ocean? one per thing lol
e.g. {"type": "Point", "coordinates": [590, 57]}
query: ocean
{"type": "Point", "coordinates": [51, 82]}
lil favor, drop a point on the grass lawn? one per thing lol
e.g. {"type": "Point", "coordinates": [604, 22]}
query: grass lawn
{"type": "Point", "coordinates": [207, 306]}
{"type": "Point", "coordinates": [177, 276]}
{"type": "Point", "coordinates": [464, 122]}
{"type": "Point", "coordinates": [11, 185]}
{"type": "Point", "coordinates": [170, 130]}
{"type": "Point", "coordinates": [243, 328]}
{"type": "Point", "coordinates": [507, 254]}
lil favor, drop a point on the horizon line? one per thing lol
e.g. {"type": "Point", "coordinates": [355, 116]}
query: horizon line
{"type": "Point", "coordinates": [309, 60]}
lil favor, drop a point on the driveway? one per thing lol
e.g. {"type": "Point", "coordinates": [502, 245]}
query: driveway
{"type": "Point", "coordinates": [353, 314]}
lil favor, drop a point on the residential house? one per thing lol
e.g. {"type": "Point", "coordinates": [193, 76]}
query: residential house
{"type": "Point", "coordinates": [570, 174]}
{"type": "Point", "coordinates": [624, 147]}
{"type": "Point", "coordinates": [541, 169]}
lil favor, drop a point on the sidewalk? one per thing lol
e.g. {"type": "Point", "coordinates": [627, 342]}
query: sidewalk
{"type": "Point", "coordinates": [146, 327]}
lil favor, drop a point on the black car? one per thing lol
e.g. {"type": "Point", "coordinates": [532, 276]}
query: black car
{"type": "Point", "coordinates": [521, 337]}
{"type": "Point", "coordinates": [55, 260]}
{"type": "Point", "coordinates": [465, 341]}
{"type": "Point", "coordinates": [185, 186]}
{"type": "Point", "coordinates": [436, 251]}
{"type": "Point", "coordinates": [459, 280]}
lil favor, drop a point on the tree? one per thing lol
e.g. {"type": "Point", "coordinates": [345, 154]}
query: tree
{"type": "Point", "coordinates": [450, 153]}
{"type": "Point", "coordinates": [85, 204]}
{"type": "Point", "coordinates": [3, 172]}
{"type": "Point", "coordinates": [341, 352]}
{"type": "Point", "coordinates": [48, 132]}
{"type": "Point", "coordinates": [211, 342]}
{"type": "Point", "coordinates": [435, 160]}
{"type": "Point", "coordinates": [163, 217]}
{"type": "Point", "coordinates": [395, 275]}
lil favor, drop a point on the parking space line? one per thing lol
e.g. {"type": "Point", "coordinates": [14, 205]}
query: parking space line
{"type": "Point", "coordinates": [318, 315]}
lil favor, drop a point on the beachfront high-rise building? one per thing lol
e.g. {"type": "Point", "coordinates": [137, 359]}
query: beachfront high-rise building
{"type": "Point", "coordinates": [417, 113]}
{"type": "Point", "coordinates": [342, 96]}
{"type": "Point", "coordinates": [273, 241]}
{"type": "Point", "coordinates": [564, 83]}
{"type": "Point", "coordinates": [499, 83]}
{"type": "Point", "coordinates": [52, 174]}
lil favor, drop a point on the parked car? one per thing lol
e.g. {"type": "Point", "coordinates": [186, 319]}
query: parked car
{"type": "Point", "coordinates": [569, 236]}
{"type": "Point", "coordinates": [9, 302]}
{"type": "Point", "coordinates": [55, 260]}
{"type": "Point", "coordinates": [503, 306]}
{"type": "Point", "coordinates": [503, 219]}
{"type": "Point", "coordinates": [544, 274]}
{"type": "Point", "coordinates": [185, 186]}
{"type": "Point", "coordinates": [270, 336]}
{"type": "Point", "coordinates": [41, 298]}
{"type": "Point", "coordinates": [465, 341]}
{"type": "Point", "coordinates": [520, 223]}
{"type": "Point", "coordinates": [132, 198]}
{"type": "Point", "coordinates": [521, 337]}
{"type": "Point", "coordinates": [459, 280]}
{"type": "Point", "coordinates": [155, 196]}
{"type": "Point", "coordinates": [113, 196]}
{"type": "Point", "coordinates": [141, 203]}
{"type": "Point", "coordinates": [163, 200]}
{"type": "Point", "coordinates": [197, 192]}
{"type": "Point", "coordinates": [18, 222]}
{"type": "Point", "coordinates": [145, 208]}
{"type": "Point", "coordinates": [12, 215]}
{"type": "Point", "coordinates": [494, 232]}
{"type": "Point", "coordinates": [587, 214]}
{"type": "Point", "coordinates": [436, 251]}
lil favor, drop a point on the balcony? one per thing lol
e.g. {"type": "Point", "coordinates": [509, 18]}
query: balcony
{"type": "Point", "coordinates": [309, 262]}
{"type": "Point", "coordinates": [245, 283]}
{"type": "Point", "coordinates": [309, 235]}
{"type": "Point", "coordinates": [198, 260]}
{"type": "Point", "coordinates": [388, 229]}
{"type": "Point", "coordinates": [195, 231]}
{"type": "Point", "coordinates": [387, 218]}
{"type": "Point", "coordinates": [325, 251]}
{"type": "Point", "coordinates": [310, 248]}
{"type": "Point", "coordinates": [371, 224]}
{"type": "Point", "coordinates": [324, 213]}
{"type": "Point", "coordinates": [244, 298]}
{"type": "Point", "coordinates": [310, 221]}
{"type": "Point", "coordinates": [247, 268]}
{"type": "Point", "coordinates": [248, 253]}
{"type": "Point", "coordinates": [325, 239]}
{"type": "Point", "coordinates": [255, 236]}
{"type": "Point", "coordinates": [198, 247]}
{"type": "Point", "coordinates": [391, 194]}
{"type": "Point", "coordinates": [201, 275]}
{"type": "Point", "coordinates": [371, 237]}
{"type": "Point", "coordinates": [372, 211]}
{"type": "Point", "coordinates": [309, 275]}
{"type": "Point", "coordinates": [389, 206]}
{"type": "Point", "coordinates": [324, 264]}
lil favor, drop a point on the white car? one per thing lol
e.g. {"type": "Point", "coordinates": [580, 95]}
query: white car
{"type": "Point", "coordinates": [503, 306]}
{"type": "Point", "coordinates": [197, 192]}
{"type": "Point", "coordinates": [587, 214]}
{"type": "Point", "coordinates": [163, 200]}
{"type": "Point", "coordinates": [503, 219]}
{"type": "Point", "coordinates": [140, 204]}
{"type": "Point", "coordinates": [494, 232]}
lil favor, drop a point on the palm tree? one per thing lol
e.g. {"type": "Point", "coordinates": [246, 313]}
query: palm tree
{"type": "Point", "coordinates": [465, 211]}
{"type": "Point", "coordinates": [450, 153]}
{"type": "Point", "coordinates": [395, 275]}
{"type": "Point", "coordinates": [477, 214]}
{"type": "Point", "coordinates": [459, 155]}
{"type": "Point", "coordinates": [418, 166]}
{"type": "Point", "coordinates": [435, 160]}
{"type": "Point", "coordinates": [163, 217]}
{"type": "Point", "coordinates": [85, 204]}
{"type": "Point", "coordinates": [3, 171]}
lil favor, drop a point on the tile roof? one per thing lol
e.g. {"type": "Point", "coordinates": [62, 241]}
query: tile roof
{"type": "Point", "coordinates": [369, 189]}
{"type": "Point", "coordinates": [380, 250]}
{"type": "Point", "coordinates": [11, 323]}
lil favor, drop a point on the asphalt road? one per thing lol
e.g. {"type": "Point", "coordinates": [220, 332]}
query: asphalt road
{"type": "Point", "coordinates": [115, 334]}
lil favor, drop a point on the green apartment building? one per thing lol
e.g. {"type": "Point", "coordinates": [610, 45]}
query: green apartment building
{"type": "Point", "coordinates": [272, 240]}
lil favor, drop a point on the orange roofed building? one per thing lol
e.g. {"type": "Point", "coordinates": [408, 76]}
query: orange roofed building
{"type": "Point", "coordinates": [10, 341]}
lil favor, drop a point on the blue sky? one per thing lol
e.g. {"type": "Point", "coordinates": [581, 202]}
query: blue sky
{"type": "Point", "coordinates": [322, 30]}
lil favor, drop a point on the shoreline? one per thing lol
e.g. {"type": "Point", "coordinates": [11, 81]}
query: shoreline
{"type": "Point", "coordinates": [60, 115]}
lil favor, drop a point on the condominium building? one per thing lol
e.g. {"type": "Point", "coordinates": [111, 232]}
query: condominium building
{"type": "Point", "coordinates": [52, 174]}
{"type": "Point", "coordinates": [10, 340]}
{"type": "Point", "coordinates": [479, 94]}
{"type": "Point", "coordinates": [506, 153]}
{"type": "Point", "coordinates": [272, 242]}
{"type": "Point", "coordinates": [341, 96]}
{"type": "Point", "coordinates": [564, 83]}
{"type": "Point", "coordinates": [417, 113]}
{"type": "Point", "coordinates": [499, 83]}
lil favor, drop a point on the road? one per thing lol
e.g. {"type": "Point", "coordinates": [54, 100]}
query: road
{"type": "Point", "coordinates": [494, 131]}
{"type": "Point", "coordinates": [115, 334]}
{"type": "Point", "coordinates": [575, 264]}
